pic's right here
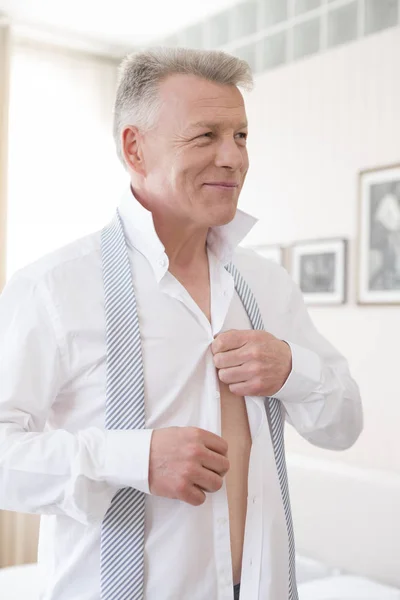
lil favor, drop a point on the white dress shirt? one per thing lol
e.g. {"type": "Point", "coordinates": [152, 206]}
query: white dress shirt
{"type": "Point", "coordinates": [56, 458]}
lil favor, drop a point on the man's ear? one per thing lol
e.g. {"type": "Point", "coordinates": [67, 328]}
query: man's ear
{"type": "Point", "coordinates": [132, 149]}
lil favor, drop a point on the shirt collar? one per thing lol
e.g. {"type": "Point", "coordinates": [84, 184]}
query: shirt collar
{"type": "Point", "coordinates": [141, 234]}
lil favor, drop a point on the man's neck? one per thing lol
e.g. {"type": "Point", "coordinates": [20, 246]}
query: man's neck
{"type": "Point", "coordinates": [185, 243]}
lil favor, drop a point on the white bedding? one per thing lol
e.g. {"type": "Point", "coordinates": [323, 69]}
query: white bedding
{"type": "Point", "coordinates": [316, 582]}
{"type": "Point", "coordinates": [20, 583]}
{"type": "Point", "coordinates": [346, 587]}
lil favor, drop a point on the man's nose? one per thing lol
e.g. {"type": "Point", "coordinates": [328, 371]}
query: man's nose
{"type": "Point", "coordinates": [230, 155]}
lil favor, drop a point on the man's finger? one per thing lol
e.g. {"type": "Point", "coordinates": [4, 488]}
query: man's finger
{"type": "Point", "coordinates": [229, 340]}
{"type": "Point", "coordinates": [231, 358]}
{"type": "Point", "coordinates": [241, 389]}
{"type": "Point", "coordinates": [233, 375]}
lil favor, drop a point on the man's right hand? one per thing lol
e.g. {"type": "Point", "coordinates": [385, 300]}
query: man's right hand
{"type": "Point", "coordinates": [185, 462]}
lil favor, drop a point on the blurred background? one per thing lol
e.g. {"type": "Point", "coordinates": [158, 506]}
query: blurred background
{"type": "Point", "coordinates": [324, 182]}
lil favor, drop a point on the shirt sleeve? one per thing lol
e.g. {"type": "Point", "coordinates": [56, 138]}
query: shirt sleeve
{"type": "Point", "coordinates": [320, 397]}
{"type": "Point", "coordinates": [46, 471]}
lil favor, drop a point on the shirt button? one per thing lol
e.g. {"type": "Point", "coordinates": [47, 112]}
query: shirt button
{"type": "Point", "coordinates": [162, 262]}
{"type": "Point", "coordinates": [251, 562]}
{"type": "Point", "coordinates": [254, 499]}
{"type": "Point", "coordinates": [217, 395]}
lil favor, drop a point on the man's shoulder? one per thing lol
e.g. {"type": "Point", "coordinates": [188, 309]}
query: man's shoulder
{"type": "Point", "coordinates": [252, 264]}
{"type": "Point", "coordinates": [66, 262]}
{"type": "Point", "coordinates": [270, 282]}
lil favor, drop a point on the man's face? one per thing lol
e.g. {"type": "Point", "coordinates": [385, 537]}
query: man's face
{"type": "Point", "coordinates": [195, 159]}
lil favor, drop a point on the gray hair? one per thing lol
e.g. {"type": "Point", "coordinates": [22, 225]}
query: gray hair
{"type": "Point", "coordinates": [137, 100]}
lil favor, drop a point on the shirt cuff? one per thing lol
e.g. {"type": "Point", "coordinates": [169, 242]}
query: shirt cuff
{"type": "Point", "coordinates": [127, 458]}
{"type": "Point", "coordinates": [305, 375]}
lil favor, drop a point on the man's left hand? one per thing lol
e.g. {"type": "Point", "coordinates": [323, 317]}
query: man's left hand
{"type": "Point", "coordinates": [252, 363]}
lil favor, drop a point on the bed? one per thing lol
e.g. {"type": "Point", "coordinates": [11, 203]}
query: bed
{"type": "Point", "coordinates": [316, 580]}
{"type": "Point", "coordinates": [348, 520]}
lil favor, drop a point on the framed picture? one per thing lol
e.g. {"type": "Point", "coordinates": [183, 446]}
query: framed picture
{"type": "Point", "coordinates": [320, 269]}
{"type": "Point", "coordinates": [379, 236]}
{"type": "Point", "coordinates": [272, 252]}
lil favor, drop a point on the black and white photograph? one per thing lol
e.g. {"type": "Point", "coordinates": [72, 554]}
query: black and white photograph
{"type": "Point", "coordinates": [379, 236]}
{"type": "Point", "coordinates": [319, 268]}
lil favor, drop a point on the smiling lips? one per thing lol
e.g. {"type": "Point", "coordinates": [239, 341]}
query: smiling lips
{"type": "Point", "coordinates": [223, 184]}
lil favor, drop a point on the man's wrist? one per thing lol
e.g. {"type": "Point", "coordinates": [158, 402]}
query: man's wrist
{"type": "Point", "coordinates": [304, 377]}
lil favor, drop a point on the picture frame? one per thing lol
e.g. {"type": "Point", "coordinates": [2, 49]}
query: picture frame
{"type": "Point", "coordinates": [272, 252]}
{"type": "Point", "coordinates": [319, 267]}
{"type": "Point", "coordinates": [378, 277]}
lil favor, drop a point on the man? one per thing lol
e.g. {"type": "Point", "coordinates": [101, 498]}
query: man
{"type": "Point", "coordinates": [146, 370]}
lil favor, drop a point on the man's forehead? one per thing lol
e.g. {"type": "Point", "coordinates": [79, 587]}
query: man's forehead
{"type": "Point", "coordinates": [196, 103]}
{"type": "Point", "coordinates": [218, 122]}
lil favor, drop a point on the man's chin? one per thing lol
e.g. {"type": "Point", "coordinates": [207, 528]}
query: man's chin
{"type": "Point", "coordinates": [220, 222]}
{"type": "Point", "coordinates": [225, 215]}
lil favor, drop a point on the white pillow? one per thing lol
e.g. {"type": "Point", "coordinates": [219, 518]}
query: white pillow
{"type": "Point", "coordinates": [20, 583]}
{"type": "Point", "coordinates": [308, 569]}
{"type": "Point", "coordinates": [347, 587]}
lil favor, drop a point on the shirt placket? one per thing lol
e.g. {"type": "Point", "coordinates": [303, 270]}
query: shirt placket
{"type": "Point", "coordinates": [222, 288]}
{"type": "Point", "coordinates": [221, 528]}
{"type": "Point", "coordinates": [253, 536]}
{"type": "Point", "coordinates": [223, 561]}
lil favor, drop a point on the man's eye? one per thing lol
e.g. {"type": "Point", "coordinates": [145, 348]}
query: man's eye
{"type": "Point", "coordinates": [243, 135]}
{"type": "Point", "coordinates": [208, 134]}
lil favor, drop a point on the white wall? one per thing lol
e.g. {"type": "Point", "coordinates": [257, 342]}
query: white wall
{"type": "Point", "coordinates": [313, 125]}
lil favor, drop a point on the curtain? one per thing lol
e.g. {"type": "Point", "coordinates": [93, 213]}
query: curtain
{"type": "Point", "coordinates": [18, 538]}
{"type": "Point", "coordinates": [64, 179]}
{"type": "Point", "coordinates": [4, 93]}
{"type": "Point", "coordinates": [64, 175]}
{"type": "Point", "coordinates": [10, 524]}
